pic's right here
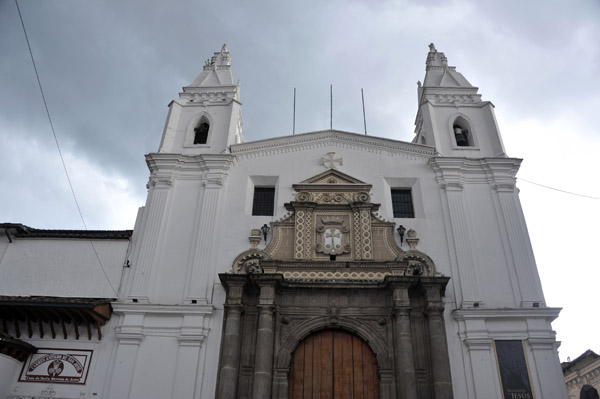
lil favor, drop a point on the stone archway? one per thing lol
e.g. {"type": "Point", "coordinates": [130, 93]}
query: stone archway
{"type": "Point", "coordinates": [333, 364]}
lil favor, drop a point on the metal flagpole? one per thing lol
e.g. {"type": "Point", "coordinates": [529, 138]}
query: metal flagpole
{"type": "Point", "coordinates": [362, 94]}
{"type": "Point", "coordinates": [294, 123]}
{"type": "Point", "coordinates": [331, 106]}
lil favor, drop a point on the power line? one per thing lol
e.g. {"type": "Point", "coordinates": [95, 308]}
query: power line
{"type": "Point", "coordinates": [58, 146]}
{"type": "Point", "coordinates": [557, 189]}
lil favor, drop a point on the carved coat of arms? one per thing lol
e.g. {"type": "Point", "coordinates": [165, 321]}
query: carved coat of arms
{"type": "Point", "coordinates": [333, 235]}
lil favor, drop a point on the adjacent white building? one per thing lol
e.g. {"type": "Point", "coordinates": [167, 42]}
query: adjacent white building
{"type": "Point", "coordinates": [332, 299]}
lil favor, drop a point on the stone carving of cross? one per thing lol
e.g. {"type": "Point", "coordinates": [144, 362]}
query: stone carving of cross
{"type": "Point", "coordinates": [331, 161]}
{"type": "Point", "coordinates": [335, 233]}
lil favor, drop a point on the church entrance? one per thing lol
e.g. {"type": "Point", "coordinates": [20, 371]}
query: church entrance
{"type": "Point", "coordinates": [333, 364]}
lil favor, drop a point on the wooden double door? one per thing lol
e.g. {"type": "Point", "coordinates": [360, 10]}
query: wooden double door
{"type": "Point", "coordinates": [333, 364]}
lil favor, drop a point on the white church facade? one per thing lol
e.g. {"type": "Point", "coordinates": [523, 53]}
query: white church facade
{"type": "Point", "coordinates": [327, 264]}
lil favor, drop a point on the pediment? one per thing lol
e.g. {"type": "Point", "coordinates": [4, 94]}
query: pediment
{"type": "Point", "coordinates": [332, 176]}
{"type": "Point", "coordinates": [332, 139]}
{"type": "Point", "coordinates": [332, 180]}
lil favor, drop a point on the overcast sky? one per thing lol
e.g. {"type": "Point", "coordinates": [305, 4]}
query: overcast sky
{"type": "Point", "coordinates": [109, 69]}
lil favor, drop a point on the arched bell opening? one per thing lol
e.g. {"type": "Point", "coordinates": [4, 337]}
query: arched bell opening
{"type": "Point", "coordinates": [201, 131]}
{"type": "Point", "coordinates": [462, 132]}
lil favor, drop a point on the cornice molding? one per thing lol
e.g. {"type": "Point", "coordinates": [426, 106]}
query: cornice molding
{"type": "Point", "coordinates": [548, 314]}
{"type": "Point", "coordinates": [212, 169]}
{"type": "Point", "coordinates": [312, 140]}
{"type": "Point", "coordinates": [454, 172]}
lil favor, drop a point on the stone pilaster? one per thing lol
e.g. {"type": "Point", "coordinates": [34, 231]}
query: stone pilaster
{"type": "Point", "coordinates": [129, 336]}
{"type": "Point", "coordinates": [216, 168]}
{"type": "Point", "coordinates": [449, 174]}
{"type": "Point", "coordinates": [511, 220]}
{"type": "Point", "coordinates": [481, 354]}
{"type": "Point", "coordinates": [440, 361]}
{"type": "Point", "coordinates": [230, 345]}
{"type": "Point", "coordinates": [190, 342]}
{"type": "Point", "coordinates": [152, 229]}
{"type": "Point", "coordinates": [263, 365]}
{"type": "Point", "coordinates": [406, 383]}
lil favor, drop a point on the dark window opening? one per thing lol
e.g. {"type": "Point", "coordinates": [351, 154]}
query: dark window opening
{"type": "Point", "coordinates": [264, 201]}
{"type": "Point", "coordinates": [201, 133]}
{"type": "Point", "coordinates": [402, 203]}
{"type": "Point", "coordinates": [462, 136]}
{"type": "Point", "coordinates": [331, 257]}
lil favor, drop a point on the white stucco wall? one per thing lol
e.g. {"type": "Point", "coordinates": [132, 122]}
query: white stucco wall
{"type": "Point", "coordinates": [9, 369]}
{"type": "Point", "coordinates": [61, 267]}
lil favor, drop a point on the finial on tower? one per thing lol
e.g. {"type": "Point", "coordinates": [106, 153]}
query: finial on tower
{"type": "Point", "coordinates": [435, 58]}
{"type": "Point", "coordinates": [219, 59]}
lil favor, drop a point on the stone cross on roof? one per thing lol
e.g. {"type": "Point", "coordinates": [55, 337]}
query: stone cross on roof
{"type": "Point", "coordinates": [331, 161]}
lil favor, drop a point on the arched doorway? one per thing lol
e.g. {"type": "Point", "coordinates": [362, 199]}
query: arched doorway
{"type": "Point", "coordinates": [333, 364]}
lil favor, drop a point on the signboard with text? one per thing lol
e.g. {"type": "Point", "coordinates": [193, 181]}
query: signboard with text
{"type": "Point", "coordinates": [57, 366]}
{"type": "Point", "coordinates": [514, 373]}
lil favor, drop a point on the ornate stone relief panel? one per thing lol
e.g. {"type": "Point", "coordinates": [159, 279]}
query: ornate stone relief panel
{"type": "Point", "coordinates": [332, 233]}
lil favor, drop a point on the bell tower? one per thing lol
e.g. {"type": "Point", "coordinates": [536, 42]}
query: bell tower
{"type": "Point", "coordinates": [451, 116]}
{"type": "Point", "coordinates": [207, 116]}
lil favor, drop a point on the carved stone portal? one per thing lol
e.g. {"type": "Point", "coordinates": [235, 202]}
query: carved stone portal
{"type": "Point", "coordinates": [334, 264]}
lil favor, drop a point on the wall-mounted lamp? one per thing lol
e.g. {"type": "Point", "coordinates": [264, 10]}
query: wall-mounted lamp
{"type": "Point", "coordinates": [401, 230]}
{"type": "Point", "coordinates": [265, 230]}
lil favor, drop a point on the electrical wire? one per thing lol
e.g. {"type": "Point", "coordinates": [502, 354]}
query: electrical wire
{"type": "Point", "coordinates": [557, 189]}
{"type": "Point", "coordinates": [58, 146]}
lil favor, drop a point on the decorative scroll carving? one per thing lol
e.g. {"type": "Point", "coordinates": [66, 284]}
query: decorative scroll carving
{"type": "Point", "coordinates": [335, 197]}
{"type": "Point", "coordinates": [419, 264]}
{"type": "Point", "coordinates": [249, 262]}
{"type": "Point", "coordinates": [303, 197]}
{"type": "Point", "coordinates": [362, 197]}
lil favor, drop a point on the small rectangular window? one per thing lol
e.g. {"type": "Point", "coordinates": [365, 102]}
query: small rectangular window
{"type": "Point", "coordinates": [264, 201]}
{"type": "Point", "coordinates": [402, 203]}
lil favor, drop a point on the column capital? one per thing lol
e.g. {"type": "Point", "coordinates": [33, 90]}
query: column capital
{"type": "Point", "coordinates": [268, 286]}
{"type": "Point", "coordinates": [233, 307]}
{"type": "Point", "coordinates": [234, 287]}
{"type": "Point", "coordinates": [401, 281]}
{"type": "Point", "coordinates": [435, 288]}
{"type": "Point", "coordinates": [401, 311]}
{"type": "Point", "coordinates": [400, 298]}
{"type": "Point", "coordinates": [266, 309]}
{"type": "Point", "coordinates": [435, 309]}
{"type": "Point", "coordinates": [129, 336]}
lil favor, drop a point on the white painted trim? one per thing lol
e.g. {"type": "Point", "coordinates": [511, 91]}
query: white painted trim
{"type": "Point", "coordinates": [142, 308]}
